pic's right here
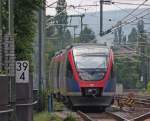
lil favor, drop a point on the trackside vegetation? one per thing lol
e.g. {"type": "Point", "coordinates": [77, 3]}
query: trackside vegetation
{"type": "Point", "coordinates": [45, 116]}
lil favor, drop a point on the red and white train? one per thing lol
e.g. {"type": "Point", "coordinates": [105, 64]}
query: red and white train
{"type": "Point", "coordinates": [83, 75]}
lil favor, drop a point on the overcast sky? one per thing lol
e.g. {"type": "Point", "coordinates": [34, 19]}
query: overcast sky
{"type": "Point", "coordinates": [70, 10]}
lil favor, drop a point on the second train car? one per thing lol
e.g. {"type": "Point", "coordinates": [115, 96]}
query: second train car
{"type": "Point", "coordinates": [82, 75]}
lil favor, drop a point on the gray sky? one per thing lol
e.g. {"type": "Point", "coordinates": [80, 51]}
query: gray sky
{"type": "Point", "coordinates": [51, 11]}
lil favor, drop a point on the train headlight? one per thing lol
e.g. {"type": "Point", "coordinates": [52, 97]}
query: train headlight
{"type": "Point", "coordinates": [92, 92]}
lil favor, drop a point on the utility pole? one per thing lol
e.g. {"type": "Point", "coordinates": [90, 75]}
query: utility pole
{"type": "Point", "coordinates": [0, 17]}
{"type": "Point", "coordinates": [10, 20]}
{"type": "Point", "coordinates": [101, 17]}
{"type": "Point", "coordinates": [82, 22]}
{"type": "Point", "coordinates": [74, 30]}
{"type": "Point", "coordinates": [81, 18]}
{"type": "Point", "coordinates": [0, 34]}
{"type": "Point", "coordinates": [41, 33]}
{"type": "Point", "coordinates": [64, 25]}
{"type": "Point", "coordinates": [101, 33]}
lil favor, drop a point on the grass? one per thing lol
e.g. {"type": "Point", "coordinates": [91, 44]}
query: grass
{"type": "Point", "coordinates": [45, 116]}
{"type": "Point", "coordinates": [70, 118]}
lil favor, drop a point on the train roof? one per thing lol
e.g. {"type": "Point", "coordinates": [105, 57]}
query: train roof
{"type": "Point", "coordinates": [104, 48]}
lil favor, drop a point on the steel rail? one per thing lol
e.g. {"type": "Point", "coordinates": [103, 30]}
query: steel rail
{"type": "Point", "coordinates": [88, 118]}
{"type": "Point", "coordinates": [27, 104]}
{"type": "Point", "coordinates": [84, 116]}
{"type": "Point", "coordinates": [117, 117]}
{"type": "Point", "coordinates": [6, 111]}
{"type": "Point", "coordinates": [142, 117]}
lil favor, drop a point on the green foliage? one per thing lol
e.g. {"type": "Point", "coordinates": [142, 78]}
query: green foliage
{"type": "Point", "coordinates": [45, 116]}
{"type": "Point", "coordinates": [4, 16]}
{"type": "Point", "coordinates": [58, 105]}
{"type": "Point", "coordinates": [2, 72]}
{"type": "Point", "coordinates": [68, 38]}
{"type": "Point", "coordinates": [127, 73]}
{"type": "Point", "coordinates": [24, 21]}
{"type": "Point", "coordinates": [87, 35]}
{"type": "Point", "coordinates": [55, 118]}
{"type": "Point", "coordinates": [70, 118]}
{"type": "Point", "coordinates": [133, 35]}
{"type": "Point", "coordinates": [61, 17]}
{"type": "Point", "coordinates": [148, 86]}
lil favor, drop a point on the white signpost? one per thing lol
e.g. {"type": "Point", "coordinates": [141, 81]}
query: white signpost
{"type": "Point", "coordinates": [22, 71]}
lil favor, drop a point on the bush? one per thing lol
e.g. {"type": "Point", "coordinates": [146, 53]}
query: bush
{"type": "Point", "coordinates": [148, 87]}
{"type": "Point", "coordinates": [70, 118]}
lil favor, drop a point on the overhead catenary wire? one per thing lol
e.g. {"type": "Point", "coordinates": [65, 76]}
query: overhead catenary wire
{"type": "Point", "coordinates": [52, 18]}
{"type": "Point", "coordinates": [140, 13]}
{"type": "Point", "coordinates": [126, 23]}
{"type": "Point", "coordinates": [124, 3]}
{"type": "Point", "coordinates": [48, 6]}
{"type": "Point", "coordinates": [135, 16]}
{"type": "Point", "coordinates": [134, 10]}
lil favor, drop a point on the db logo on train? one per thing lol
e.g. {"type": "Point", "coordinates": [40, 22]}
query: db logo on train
{"type": "Point", "coordinates": [22, 71]}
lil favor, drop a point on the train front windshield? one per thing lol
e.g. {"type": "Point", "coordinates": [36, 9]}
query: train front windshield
{"type": "Point", "coordinates": [90, 65]}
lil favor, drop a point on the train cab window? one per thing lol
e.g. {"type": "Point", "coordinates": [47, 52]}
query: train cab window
{"type": "Point", "coordinates": [90, 64]}
{"type": "Point", "coordinates": [69, 73]}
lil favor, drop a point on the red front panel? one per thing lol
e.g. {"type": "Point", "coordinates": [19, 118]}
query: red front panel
{"type": "Point", "coordinates": [83, 83]}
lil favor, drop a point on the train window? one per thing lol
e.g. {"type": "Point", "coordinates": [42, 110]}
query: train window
{"type": "Point", "coordinates": [90, 61]}
{"type": "Point", "coordinates": [91, 66]}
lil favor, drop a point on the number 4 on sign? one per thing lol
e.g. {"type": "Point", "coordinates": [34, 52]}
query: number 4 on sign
{"type": "Point", "coordinates": [22, 71]}
{"type": "Point", "coordinates": [22, 76]}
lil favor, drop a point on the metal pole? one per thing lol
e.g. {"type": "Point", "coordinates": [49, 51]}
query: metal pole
{"type": "Point", "coordinates": [41, 52]}
{"type": "Point", "coordinates": [74, 28]}
{"type": "Point", "coordinates": [1, 34]}
{"type": "Point", "coordinates": [40, 41]}
{"type": "Point", "coordinates": [81, 25]}
{"type": "Point", "coordinates": [0, 17]}
{"type": "Point", "coordinates": [40, 59]}
{"type": "Point", "coordinates": [10, 19]}
{"type": "Point", "coordinates": [101, 17]}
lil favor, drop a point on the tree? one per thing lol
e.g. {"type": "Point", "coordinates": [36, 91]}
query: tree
{"type": "Point", "coordinates": [132, 37]}
{"type": "Point", "coordinates": [127, 72]}
{"type": "Point", "coordinates": [87, 35]}
{"type": "Point", "coordinates": [119, 34]}
{"type": "Point", "coordinates": [142, 40]}
{"type": "Point", "coordinates": [68, 37]}
{"type": "Point", "coordinates": [4, 16]}
{"type": "Point", "coordinates": [115, 37]}
{"type": "Point", "coordinates": [61, 16]}
{"type": "Point", "coordinates": [24, 24]}
{"type": "Point", "coordinates": [61, 19]}
{"type": "Point", "coordinates": [124, 39]}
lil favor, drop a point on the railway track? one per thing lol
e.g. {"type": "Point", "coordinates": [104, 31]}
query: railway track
{"type": "Point", "coordinates": [120, 115]}
{"type": "Point", "coordinates": [136, 113]}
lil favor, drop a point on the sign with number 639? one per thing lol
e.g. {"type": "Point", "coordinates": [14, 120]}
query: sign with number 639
{"type": "Point", "coordinates": [22, 71]}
